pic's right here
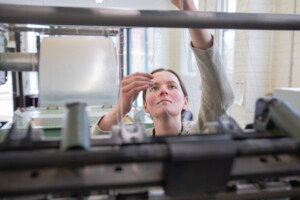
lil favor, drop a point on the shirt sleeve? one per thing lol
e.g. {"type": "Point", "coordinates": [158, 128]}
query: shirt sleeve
{"type": "Point", "coordinates": [95, 130]}
{"type": "Point", "coordinates": [217, 95]}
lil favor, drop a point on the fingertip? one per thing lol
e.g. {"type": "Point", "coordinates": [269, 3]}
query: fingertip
{"type": "Point", "coordinates": [147, 86]}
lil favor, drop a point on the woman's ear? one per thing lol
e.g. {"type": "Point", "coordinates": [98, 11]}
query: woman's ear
{"type": "Point", "coordinates": [185, 104]}
{"type": "Point", "coordinates": [145, 107]}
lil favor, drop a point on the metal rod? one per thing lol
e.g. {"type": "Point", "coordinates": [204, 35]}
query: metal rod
{"type": "Point", "coordinates": [19, 61]}
{"type": "Point", "coordinates": [145, 152]}
{"type": "Point", "coordinates": [146, 47]}
{"type": "Point", "coordinates": [21, 90]}
{"type": "Point", "coordinates": [15, 92]}
{"type": "Point", "coordinates": [38, 43]}
{"type": "Point", "coordinates": [20, 76]}
{"type": "Point", "coordinates": [66, 31]}
{"type": "Point", "coordinates": [292, 53]}
{"type": "Point", "coordinates": [124, 154]}
{"type": "Point", "coordinates": [22, 14]}
{"type": "Point", "coordinates": [80, 181]}
{"type": "Point", "coordinates": [121, 54]}
{"type": "Point", "coordinates": [128, 50]}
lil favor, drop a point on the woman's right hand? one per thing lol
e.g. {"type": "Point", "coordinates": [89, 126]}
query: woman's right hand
{"type": "Point", "coordinates": [131, 86]}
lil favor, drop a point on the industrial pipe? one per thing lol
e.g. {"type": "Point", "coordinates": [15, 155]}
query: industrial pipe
{"type": "Point", "coordinates": [66, 31]}
{"type": "Point", "coordinates": [23, 14]}
{"type": "Point", "coordinates": [18, 61]}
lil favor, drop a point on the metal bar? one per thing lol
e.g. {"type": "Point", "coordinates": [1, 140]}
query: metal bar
{"type": "Point", "coordinates": [264, 167]}
{"type": "Point", "coordinates": [38, 43]}
{"type": "Point", "coordinates": [146, 47]}
{"type": "Point", "coordinates": [128, 50]}
{"type": "Point", "coordinates": [268, 147]}
{"type": "Point", "coordinates": [66, 31]}
{"type": "Point", "coordinates": [21, 90]}
{"type": "Point", "coordinates": [292, 52]}
{"type": "Point", "coordinates": [53, 158]}
{"type": "Point", "coordinates": [20, 76]}
{"type": "Point", "coordinates": [19, 61]}
{"type": "Point", "coordinates": [141, 153]}
{"type": "Point", "coordinates": [121, 54]}
{"type": "Point", "coordinates": [89, 178]}
{"type": "Point", "coordinates": [15, 92]}
{"type": "Point", "coordinates": [22, 14]}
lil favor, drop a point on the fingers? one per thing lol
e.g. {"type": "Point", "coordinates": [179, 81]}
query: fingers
{"type": "Point", "coordinates": [135, 92]}
{"type": "Point", "coordinates": [185, 4]}
{"type": "Point", "coordinates": [134, 83]}
{"type": "Point", "coordinates": [177, 3]}
{"type": "Point", "coordinates": [128, 81]}
{"type": "Point", "coordinates": [136, 80]}
{"type": "Point", "coordinates": [131, 94]}
{"type": "Point", "coordinates": [139, 74]}
{"type": "Point", "coordinates": [136, 86]}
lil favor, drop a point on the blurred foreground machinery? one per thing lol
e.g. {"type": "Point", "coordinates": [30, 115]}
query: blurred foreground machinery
{"type": "Point", "coordinates": [261, 162]}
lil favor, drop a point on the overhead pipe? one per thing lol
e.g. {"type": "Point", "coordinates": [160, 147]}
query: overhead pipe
{"type": "Point", "coordinates": [66, 31]}
{"type": "Point", "coordinates": [24, 14]}
{"type": "Point", "coordinates": [18, 61]}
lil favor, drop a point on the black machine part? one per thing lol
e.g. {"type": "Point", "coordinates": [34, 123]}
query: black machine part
{"type": "Point", "coordinates": [274, 115]}
{"type": "Point", "coordinates": [185, 166]}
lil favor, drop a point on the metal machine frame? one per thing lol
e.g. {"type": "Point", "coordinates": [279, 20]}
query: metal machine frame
{"type": "Point", "coordinates": [261, 162]}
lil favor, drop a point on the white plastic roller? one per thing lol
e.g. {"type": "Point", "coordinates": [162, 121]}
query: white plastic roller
{"type": "Point", "coordinates": [78, 69]}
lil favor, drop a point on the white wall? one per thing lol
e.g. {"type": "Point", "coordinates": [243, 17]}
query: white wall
{"type": "Point", "coordinates": [262, 58]}
{"type": "Point", "coordinates": [252, 61]}
{"type": "Point", "coordinates": [285, 51]}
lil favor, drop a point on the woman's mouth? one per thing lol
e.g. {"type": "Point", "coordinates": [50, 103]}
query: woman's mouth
{"type": "Point", "coordinates": [164, 100]}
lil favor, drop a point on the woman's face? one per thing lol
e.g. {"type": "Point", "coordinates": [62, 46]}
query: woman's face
{"type": "Point", "coordinates": [165, 96]}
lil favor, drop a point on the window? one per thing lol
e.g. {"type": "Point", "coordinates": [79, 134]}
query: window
{"type": "Point", "coordinates": [140, 53]}
{"type": "Point", "coordinates": [228, 41]}
{"type": "Point", "coordinates": [6, 103]}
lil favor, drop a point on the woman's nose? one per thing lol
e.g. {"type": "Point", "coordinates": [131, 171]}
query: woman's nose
{"type": "Point", "coordinates": [163, 91]}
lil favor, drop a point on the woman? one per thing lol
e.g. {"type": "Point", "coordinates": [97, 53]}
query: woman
{"type": "Point", "coordinates": [165, 97]}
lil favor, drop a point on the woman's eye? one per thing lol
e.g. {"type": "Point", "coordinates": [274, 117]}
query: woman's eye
{"type": "Point", "coordinates": [172, 87]}
{"type": "Point", "coordinates": [153, 89]}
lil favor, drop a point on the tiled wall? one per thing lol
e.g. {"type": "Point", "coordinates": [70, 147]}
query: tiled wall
{"type": "Point", "coordinates": [262, 58]}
